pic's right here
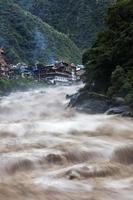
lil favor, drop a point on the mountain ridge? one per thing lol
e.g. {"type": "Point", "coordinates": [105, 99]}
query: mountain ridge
{"type": "Point", "coordinates": [80, 20]}
{"type": "Point", "coordinates": [27, 38]}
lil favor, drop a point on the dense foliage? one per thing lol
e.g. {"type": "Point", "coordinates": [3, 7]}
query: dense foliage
{"type": "Point", "coordinates": [79, 19]}
{"type": "Point", "coordinates": [27, 38]}
{"type": "Point", "coordinates": [8, 85]}
{"type": "Point", "coordinates": [109, 62]}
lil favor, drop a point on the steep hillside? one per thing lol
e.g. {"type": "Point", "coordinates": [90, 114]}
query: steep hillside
{"type": "Point", "coordinates": [110, 61]}
{"type": "Point", "coordinates": [80, 19]}
{"type": "Point", "coordinates": [27, 38]}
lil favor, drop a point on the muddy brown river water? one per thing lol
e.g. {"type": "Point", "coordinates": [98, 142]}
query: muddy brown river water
{"type": "Point", "coordinates": [51, 152]}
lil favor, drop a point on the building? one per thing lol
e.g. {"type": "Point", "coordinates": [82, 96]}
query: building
{"type": "Point", "coordinates": [22, 70]}
{"type": "Point", "coordinates": [58, 73]}
{"type": "Point", "coordinates": [80, 72]}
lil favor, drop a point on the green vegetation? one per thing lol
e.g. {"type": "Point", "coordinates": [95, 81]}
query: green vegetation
{"type": "Point", "coordinates": [79, 19]}
{"type": "Point", "coordinates": [109, 63]}
{"type": "Point", "coordinates": [7, 85]}
{"type": "Point", "coordinates": [27, 38]}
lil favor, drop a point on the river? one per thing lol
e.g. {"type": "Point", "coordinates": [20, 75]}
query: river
{"type": "Point", "coordinates": [51, 152]}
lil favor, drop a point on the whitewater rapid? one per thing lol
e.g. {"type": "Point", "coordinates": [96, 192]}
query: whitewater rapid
{"type": "Point", "coordinates": [51, 152]}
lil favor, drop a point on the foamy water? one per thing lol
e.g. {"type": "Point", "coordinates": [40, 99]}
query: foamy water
{"type": "Point", "coordinates": [51, 152]}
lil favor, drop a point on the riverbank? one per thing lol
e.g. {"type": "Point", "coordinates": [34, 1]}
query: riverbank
{"type": "Point", "coordinates": [95, 103]}
{"type": "Point", "coordinates": [109, 65]}
{"type": "Point", "coordinates": [12, 85]}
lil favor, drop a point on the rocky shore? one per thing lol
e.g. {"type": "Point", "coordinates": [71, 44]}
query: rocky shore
{"type": "Point", "coordinates": [94, 103]}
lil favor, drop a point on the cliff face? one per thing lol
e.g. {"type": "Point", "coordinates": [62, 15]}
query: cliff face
{"type": "Point", "coordinates": [80, 19]}
{"type": "Point", "coordinates": [109, 62]}
{"type": "Point", "coordinates": [27, 38]}
{"type": "Point", "coordinates": [2, 59]}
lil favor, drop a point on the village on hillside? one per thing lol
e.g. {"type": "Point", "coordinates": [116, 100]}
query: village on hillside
{"type": "Point", "coordinates": [59, 72]}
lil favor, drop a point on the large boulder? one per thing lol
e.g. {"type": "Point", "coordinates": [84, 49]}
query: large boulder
{"type": "Point", "coordinates": [94, 103]}
{"type": "Point", "coordinates": [120, 110]}
{"type": "Point", "coordinates": [90, 103]}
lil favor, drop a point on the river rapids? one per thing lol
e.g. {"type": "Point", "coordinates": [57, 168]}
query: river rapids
{"type": "Point", "coordinates": [51, 152]}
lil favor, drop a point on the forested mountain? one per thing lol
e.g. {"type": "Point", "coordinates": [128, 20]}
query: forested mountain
{"type": "Point", "coordinates": [27, 38]}
{"type": "Point", "coordinates": [79, 19]}
{"type": "Point", "coordinates": [109, 62]}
